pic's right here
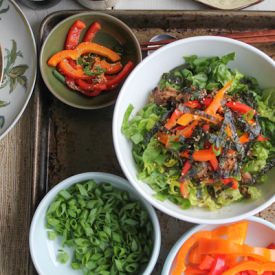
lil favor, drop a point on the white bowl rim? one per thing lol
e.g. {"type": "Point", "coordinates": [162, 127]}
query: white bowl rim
{"type": "Point", "coordinates": [116, 129]}
{"type": "Point", "coordinates": [174, 250]}
{"type": "Point", "coordinates": [107, 177]}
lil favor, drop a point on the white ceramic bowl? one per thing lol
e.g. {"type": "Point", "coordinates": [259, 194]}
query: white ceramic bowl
{"type": "Point", "coordinates": [260, 233]}
{"type": "Point", "coordinates": [145, 77]}
{"type": "Point", "coordinates": [43, 251]}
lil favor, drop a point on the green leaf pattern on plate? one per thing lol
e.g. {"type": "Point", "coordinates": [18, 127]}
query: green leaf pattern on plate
{"type": "Point", "coordinates": [13, 74]}
{"type": "Point", "coordinates": [3, 10]}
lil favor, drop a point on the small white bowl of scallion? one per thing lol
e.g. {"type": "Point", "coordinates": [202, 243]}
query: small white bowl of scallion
{"type": "Point", "coordinates": [94, 223]}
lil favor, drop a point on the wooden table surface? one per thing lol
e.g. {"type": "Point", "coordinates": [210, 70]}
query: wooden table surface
{"type": "Point", "coordinates": [16, 165]}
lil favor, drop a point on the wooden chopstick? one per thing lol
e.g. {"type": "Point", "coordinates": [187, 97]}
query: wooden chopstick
{"type": "Point", "coordinates": [265, 36]}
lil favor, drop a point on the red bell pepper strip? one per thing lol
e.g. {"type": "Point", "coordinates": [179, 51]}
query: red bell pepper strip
{"type": "Point", "coordinates": [73, 35]}
{"type": "Point", "coordinates": [109, 68]}
{"type": "Point", "coordinates": [186, 167]}
{"type": "Point", "coordinates": [91, 32]}
{"type": "Point", "coordinates": [218, 267]}
{"type": "Point", "coordinates": [262, 138]}
{"type": "Point", "coordinates": [193, 104]}
{"type": "Point", "coordinates": [90, 86]}
{"type": "Point", "coordinates": [172, 121]}
{"type": "Point", "coordinates": [194, 271]}
{"type": "Point", "coordinates": [188, 131]}
{"type": "Point", "coordinates": [206, 128]}
{"type": "Point", "coordinates": [184, 154]}
{"type": "Point", "coordinates": [113, 83]}
{"type": "Point", "coordinates": [76, 73]}
{"type": "Point", "coordinates": [239, 107]}
{"type": "Point", "coordinates": [163, 138]}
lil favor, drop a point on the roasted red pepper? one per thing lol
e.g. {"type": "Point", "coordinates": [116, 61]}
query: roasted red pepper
{"type": "Point", "coordinates": [239, 107]}
{"type": "Point", "coordinates": [73, 35]}
{"type": "Point", "coordinates": [113, 83]}
{"type": "Point", "coordinates": [91, 32]}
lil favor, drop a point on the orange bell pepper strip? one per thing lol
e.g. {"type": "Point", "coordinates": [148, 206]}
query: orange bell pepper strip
{"type": "Point", "coordinates": [185, 119]}
{"type": "Point", "coordinates": [180, 266]}
{"type": "Point", "coordinates": [194, 271]}
{"type": "Point", "coordinates": [66, 69]}
{"type": "Point", "coordinates": [90, 47]}
{"type": "Point", "coordinates": [163, 138]}
{"type": "Point", "coordinates": [188, 131]}
{"type": "Point", "coordinates": [172, 121]}
{"type": "Point", "coordinates": [109, 68]}
{"type": "Point", "coordinates": [214, 163]}
{"type": "Point", "coordinates": [244, 138]}
{"type": "Point", "coordinates": [217, 100]}
{"type": "Point", "coordinates": [83, 48]}
{"type": "Point", "coordinates": [184, 190]}
{"type": "Point", "coordinates": [260, 268]}
{"type": "Point", "coordinates": [204, 155]}
{"type": "Point", "coordinates": [227, 247]}
{"type": "Point", "coordinates": [184, 154]}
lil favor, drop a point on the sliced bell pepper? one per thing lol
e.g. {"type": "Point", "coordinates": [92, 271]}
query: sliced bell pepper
{"type": "Point", "coordinates": [92, 87]}
{"type": "Point", "coordinates": [204, 155]}
{"type": "Point", "coordinates": [90, 47]}
{"type": "Point", "coordinates": [219, 266]}
{"type": "Point", "coordinates": [163, 138]}
{"type": "Point", "coordinates": [227, 247]}
{"type": "Point", "coordinates": [183, 189]}
{"type": "Point", "coordinates": [91, 32]}
{"type": "Point", "coordinates": [239, 107]}
{"type": "Point", "coordinates": [66, 69]}
{"type": "Point", "coordinates": [207, 101]}
{"type": "Point", "coordinates": [193, 104]}
{"type": "Point", "coordinates": [185, 119]}
{"type": "Point", "coordinates": [186, 167]}
{"type": "Point", "coordinates": [180, 266]}
{"type": "Point", "coordinates": [172, 121]}
{"type": "Point", "coordinates": [109, 68]}
{"type": "Point", "coordinates": [194, 271]}
{"type": "Point", "coordinates": [260, 268]}
{"type": "Point", "coordinates": [244, 138]}
{"type": "Point", "coordinates": [262, 138]}
{"type": "Point", "coordinates": [217, 100]}
{"type": "Point", "coordinates": [114, 82]}
{"type": "Point", "coordinates": [206, 128]}
{"type": "Point", "coordinates": [207, 262]}
{"type": "Point", "coordinates": [81, 49]}
{"type": "Point", "coordinates": [188, 131]}
{"type": "Point", "coordinates": [73, 35]}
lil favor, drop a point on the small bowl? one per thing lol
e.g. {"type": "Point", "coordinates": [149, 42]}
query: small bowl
{"type": "Point", "coordinates": [43, 250]}
{"type": "Point", "coordinates": [113, 33]}
{"type": "Point", "coordinates": [98, 4]}
{"type": "Point", "coordinates": [260, 233]}
{"type": "Point", "coordinates": [249, 60]}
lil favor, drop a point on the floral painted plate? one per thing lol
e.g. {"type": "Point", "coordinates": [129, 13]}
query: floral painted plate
{"type": "Point", "coordinates": [229, 4]}
{"type": "Point", "coordinates": [20, 64]}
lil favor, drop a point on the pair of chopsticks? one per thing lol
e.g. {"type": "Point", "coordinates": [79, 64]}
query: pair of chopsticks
{"type": "Point", "coordinates": [253, 37]}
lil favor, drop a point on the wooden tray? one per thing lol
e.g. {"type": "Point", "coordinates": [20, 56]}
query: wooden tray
{"type": "Point", "coordinates": [69, 141]}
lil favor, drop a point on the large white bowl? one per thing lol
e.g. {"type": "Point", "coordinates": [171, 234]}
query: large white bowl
{"type": "Point", "coordinates": [43, 251]}
{"type": "Point", "coordinates": [145, 77]}
{"type": "Point", "coordinates": [260, 233]}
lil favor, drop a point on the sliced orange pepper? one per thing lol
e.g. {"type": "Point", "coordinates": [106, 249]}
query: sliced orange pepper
{"type": "Point", "coordinates": [217, 100]}
{"type": "Point", "coordinates": [172, 121]}
{"type": "Point", "coordinates": [227, 247]}
{"type": "Point", "coordinates": [260, 268]}
{"type": "Point", "coordinates": [194, 271]}
{"type": "Point", "coordinates": [188, 131]}
{"type": "Point", "coordinates": [185, 119]}
{"type": "Point", "coordinates": [244, 138]}
{"type": "Point", "coordinates": [110, 68]}
{"type": "Point", "coordinates": [83, 48]}
{"type": "Point", "coordinates": [90, 47]}
{"type": "Point", "coordinates": [203, 155]}
{"type": "Point", "coordinates": [180, 266]}
{"type": "Point", "coordinates": [184, 154]}
{"type": "Point", "coordinates": [184, 190]}
{"type": "Point", "coordinates": [228, 131]}
{"type": "Point", "coordinates": [76, 73]}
